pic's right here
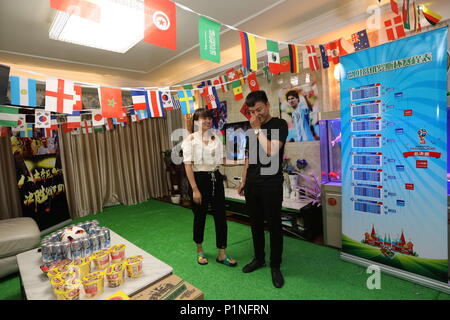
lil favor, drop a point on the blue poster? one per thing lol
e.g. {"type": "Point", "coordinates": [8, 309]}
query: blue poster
{"type": "Point", "coordinates": [394, 159]}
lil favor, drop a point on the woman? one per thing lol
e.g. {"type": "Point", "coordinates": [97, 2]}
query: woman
{"type": "Point", "coordinates": [202, 156]}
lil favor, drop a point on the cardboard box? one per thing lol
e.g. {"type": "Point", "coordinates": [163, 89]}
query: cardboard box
{"type": "Point", "coordinates": [171, 287]}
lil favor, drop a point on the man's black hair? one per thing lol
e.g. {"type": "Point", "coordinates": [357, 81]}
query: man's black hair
{"type": "Point", "coordinates": [292, 93]}
{"type": "Point", "coordinates": [256, 96]}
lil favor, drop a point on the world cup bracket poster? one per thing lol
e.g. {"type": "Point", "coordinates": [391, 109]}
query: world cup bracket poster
{"type": "Point", "coordinates": [394, 160]}
{"type": "Point", "coordinates": [40, 180]}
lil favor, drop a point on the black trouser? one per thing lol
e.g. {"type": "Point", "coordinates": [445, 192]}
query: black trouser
{"type": "Point", "coordinates": [212, 193]}
{"type": "Point", "coordinates": [264, 203]}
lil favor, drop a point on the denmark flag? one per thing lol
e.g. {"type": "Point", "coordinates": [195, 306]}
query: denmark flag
{"type": "Point", "coordinates": [161, 23]}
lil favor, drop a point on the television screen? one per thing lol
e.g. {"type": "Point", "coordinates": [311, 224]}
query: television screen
{"type": "Point", "coordinates": [236, 139]}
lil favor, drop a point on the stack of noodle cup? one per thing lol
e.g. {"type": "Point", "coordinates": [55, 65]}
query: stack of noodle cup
{"type": "Point", "coordinates": [83, 266]}
{"type": "Point", "coordinates": [69, 291]}
{"type": "Point", "coordinates": [94, 284]}
{"type": "Point", "coordinates": [117, 253]}
{"type": "Point", "coordinates": [115, 274]}
{"type": "Point", "coordinates": [134, 266]}
{"type": "Point", "coordinates": [101, 259]}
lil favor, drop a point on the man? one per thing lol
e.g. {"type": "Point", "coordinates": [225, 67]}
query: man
{"type": "Point", "coordinates": [300, 116]}
{"type": "Point", "coordinates": [262, 182]}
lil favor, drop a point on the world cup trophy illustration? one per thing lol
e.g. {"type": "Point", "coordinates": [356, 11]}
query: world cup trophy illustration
{"type": "Point", "coordinates": [422, 133]}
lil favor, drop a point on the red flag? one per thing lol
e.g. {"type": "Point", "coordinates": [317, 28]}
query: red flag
{"type": "Point", "coordinates": [246, 111]}
{"type": "Point", "coordinates": [161, 23]}
{"type": "Point", "coordinates": [77, 103]}
{"type": "Point", "coordinates": [111, 102]}
{"type": "Point", "coordinates": [232, 74]}
{"type": "Point", "coordinates": [4, 131]}
{"type": "Point", "coordinates": [285, 64]}
{"type": "Point", "coordinates": [333, 51]}
{"type": "Point", "coordinates": [394, 28]}
{"type": "Point", "coordinates": [394, 6]}
{"type": "Point", "coordinates": [82, 8]}
{"type": "Point", "coordinates": [253, 82]}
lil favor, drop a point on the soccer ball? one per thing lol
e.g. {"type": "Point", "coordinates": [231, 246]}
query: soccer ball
{"type": "Point", "coordinates": [73, 233]}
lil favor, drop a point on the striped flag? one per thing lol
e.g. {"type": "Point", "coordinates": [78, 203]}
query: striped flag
{"type": "Point", "coordinates": [23, 91]}
{"type": "Point", "coordinates": [74, 120]}
{"type": "Point", "coordinates": [323, 53]}
{"type": "Point", "coordinates": [273, 56]}
{"type": "Point", "coordinates": [156, 104]}
{"type": "Point", "coordinates": [310, 58]}
{"type": "Point", "coordinates": [109, 124]}
{"type": "Point", "coordinates": [42, 119]}
{"type": "Point", "coordinates": [186, 101]}
{"type": "Point", "coordinates": [4, 131]}
{"type": "Point", "coordinates": [405, 12]}
{"type": "Point", "coordinates": [141, 114]}
{"type": "Point", "coordinates": [140, 100]}
{"type": "Point", "coordinates": [212, 100]}
{"type": "Point", "coordinates": [77, 101]}
{"type": "Point", "coordinates": [293, 57]}
{"type": "Point", "coordinates": [432, 17]}
{"type": "Point", "coordinates": [9, 116]}
{"type": "Point", "coordinates": [248, 46]}
{"type": "Point", "coordinates": [219, 81]}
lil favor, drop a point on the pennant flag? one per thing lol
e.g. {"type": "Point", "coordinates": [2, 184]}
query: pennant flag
{"type": "Point", "coordinates": [77, 102]}
{"type": "Point", "coordinates": [111, 102]}
{"type": "Point", "coordinates": [273, 56]}
{"type": "Point", "coordinates": [21, 123]}
{"type": "Point", "coordinates": [394, 28]}
{"type": "Point", "coordinates": [432, 17]}
{"type": "Point", "coordinates": [23, 91]}
{"type": "Point", "coordinates": [160, 23]}
{"type": "Point", "coordinates": [176, 102]}
{"type": "Point", "coordinates": [4, 131]}
{"type": "Point", "coordinates": [83, 8]}
{"type": "Point", "coordinates": [133, 115]}
{"type": "Point", "coordinates": [141, 114]}
{"type": "Point", "coordinates": [209, 39]}
{"type": "Point", "coordinates": [156, 104]}
{"type": "Point", "coordinates": [394, 6]}
{"type": "Point", "coordinates": [232, 75]}
{"type": "Point", "coordinates": [74, 120]}
{"type": "Point", "coordinates": [219, 81]}
{"type": "Point", "coordinates": [324, 55]}
{"type": "Point", "coordinates": [241, 75]}
{"type": "Point", "coordinates": [86, 126]}
{"type": "Point", "coordinates": [333, 51]}
{"type": "Point", "coordinates": [48, 132]}
{"type": "Point", "coordinates": [4, 81]}
{"type": "Point", "coordinates": [9, 116]}
{"type": "Point", "coordinates": [204, 85]}
{"type": "Point", "coordinates": [67, 129]}
{"type": "Point", "coordinates": [28, 132]}
{"type": "Point", "coordinates": [253, 82]}
{"type": "Point", "coordinates": [405, 12]}
{"type": "Point", "coordinates": [293, 56]}
{"type": "Point", "coordinates": [59, 95]}
{"type": "Point", "coordinates": [345, 47]}
{"type": "Point", "coordinates": [237, 91]}
{"type": "Point", "coordinates": [267, 74]}
{"type": "Point", "coordinates": [285, 65]}
{"type": "Point", "coordinates": [245, 110]}
{"type": "Point", "coordinates": [419, 25]}
{"type": "Point", "coordinates": [42, 119]}
{"type": "Point", "coordinates": [212, 100]}
{"type": "Point", "coordinates": [310, 58]}
{"type": "Point", "coordinates": [140, 100]}
{"type": "Point", "coordinates": [248, 47]}
{"type": "Point", "coordinates": [166, 98]}
{"type": "Point", "coordinates": [75, 131]}
{"type": "Point", "coordinates": [186, 101]}
{"type": "Point", "coordinates": [97, 118]}
{"type": "Point", "coordinates": [360, 40]}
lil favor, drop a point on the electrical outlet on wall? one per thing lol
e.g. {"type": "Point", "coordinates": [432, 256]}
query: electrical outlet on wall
{"type": "Point", "coordinates": [237, 179]}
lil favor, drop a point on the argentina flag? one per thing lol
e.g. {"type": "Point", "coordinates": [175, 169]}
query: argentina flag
{"type": "Point", "coordinates": [23, 91]}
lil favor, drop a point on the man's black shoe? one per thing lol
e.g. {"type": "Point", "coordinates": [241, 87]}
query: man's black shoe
{"type": "Point", "coordinates": [252, 266]}
{"type": "Point", "coordinates": [277, 278]}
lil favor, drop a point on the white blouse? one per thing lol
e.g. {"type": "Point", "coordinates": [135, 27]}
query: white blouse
{"type": "Point", "coordinates": [204, 157]}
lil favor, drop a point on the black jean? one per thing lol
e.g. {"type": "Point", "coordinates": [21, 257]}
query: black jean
{"type": "Point", "coordinates": [213, 194]}
{"type": "Point", "coordinates": [264, 202]}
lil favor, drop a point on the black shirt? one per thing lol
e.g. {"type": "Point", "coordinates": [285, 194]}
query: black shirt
{"type": "Point", "coordinates": [265, 169]}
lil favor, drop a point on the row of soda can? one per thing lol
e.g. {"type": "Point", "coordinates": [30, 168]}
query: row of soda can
{"type": "Point", "coordinates": [53, 249]}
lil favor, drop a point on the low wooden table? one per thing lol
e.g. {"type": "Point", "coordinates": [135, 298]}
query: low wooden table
{"type": "Point", "coordinates": [37, 286]}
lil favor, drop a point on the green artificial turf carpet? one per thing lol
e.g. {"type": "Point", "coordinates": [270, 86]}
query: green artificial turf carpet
{"type": "Point", "coordinates": [311, 271]}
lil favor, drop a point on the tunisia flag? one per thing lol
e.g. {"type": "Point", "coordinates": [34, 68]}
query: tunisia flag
{"type": "Point", "coordinates": [111, 102]}
{"type": "Point", "coordinates": [161, 23]}
{"type": "Point", "coordinates": [252, 82]}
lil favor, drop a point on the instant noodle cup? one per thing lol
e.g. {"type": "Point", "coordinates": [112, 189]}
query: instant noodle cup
{"type": "Point", "coordinates": [115, 275]}
{"type": "Point", "coordinates": [59, 293]}
{"type": "Point", "coordinates": [117, 253]}
{"type": "Point", "coordinates": [52, 273]}
{"type": "Point", "coordinates": [134, 266]}
{"type": "Point", "coordinates": [57, 282]}
{"type": "Point", "coordinates": [94, 284]}
{"type": "Point", "coordinates": [83, 265]}
{"type": "Point", "coordinates": [71, 290]}
{"type": "Point", "coordinates": [101, 259]}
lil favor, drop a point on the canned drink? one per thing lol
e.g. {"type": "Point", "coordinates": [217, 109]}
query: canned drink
{"type": "Point", "coordinates": [46, 252]}
{"type": "Point", "coordinates": [77, 249]}
{"type": "Point", "coordinates": [94, 242]}
{"type": "Point", "coordinates": [86, 226]}
{"type": "Point", "coordinates": [87, 246]}
{"type": "Point", "coordinates": [108, 236]}
{"type": "Point", "coordinates": [67, 250]}
{"type": "Point", "coordinates": [55, 252]}
{"type": "Point", "coordinates": [102, 238]}
{"type": "Point", "coordinates": [58, 235]}
{"type": "Point", "coordinates": [95, 223]}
